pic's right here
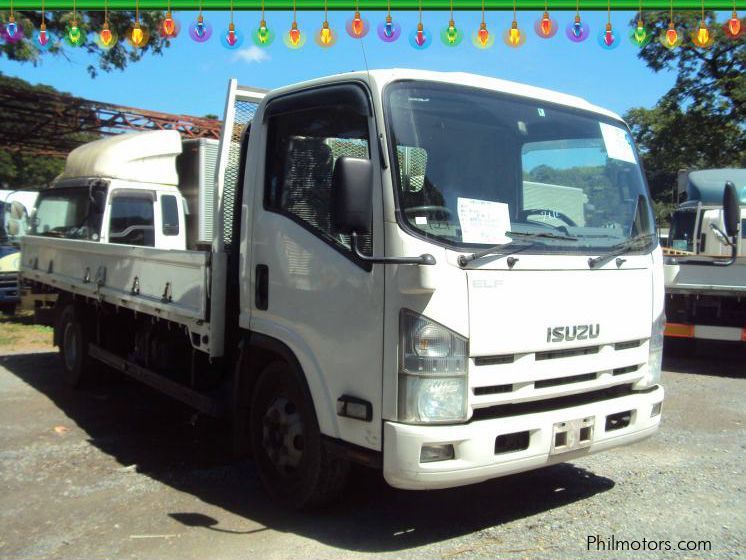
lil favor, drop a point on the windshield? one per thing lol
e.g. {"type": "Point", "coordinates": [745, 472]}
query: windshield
{"type": "Point", "coordinates": [473, 165]}
{"type": "Point", "coordinates": [681, 236]}
{"type": "Point", "coordinates": [66, 212]}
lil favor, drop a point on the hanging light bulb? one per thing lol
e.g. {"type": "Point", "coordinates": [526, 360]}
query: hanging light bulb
{"type": "Point", "coordinates": [137, 35]}
{"type": "Point", "coordinates": [640, 34]}
{"type": "Point", "coordinates": [546, 24]}
{"type": "Point", "coordinates": [11, 28]}
{"type": "Point", "coordinates": [388, 31]}
{"type": "Point", "coordinates": [326, 34]}
{"type": "Point", "coordinates": [733, 28]}
{"type": "Point", "coordinates": [73, 34]}
{"type": "Point", "coordinates": [577, 31]}
{"type": "Point", "coordinates": [483, 35]}
{"type": "Point", "coordinates": [106, 35]}
{"type": "Point", "coordinates": [357, 27]}
{"type": "Point", "coordinates": [670, 37]}
{"type": "Point", "coordinates": [703, 34]}
{"type": "Point", "coordinates": [608, 36]}
{"type": "Point", "coordinates": [451, 32]}
{"type": "Point", "coordinates": [231, 37]}
{"type": "Point", "coordinates": [420, 38]}
{"type": "Point", "coordinates": [388, 27]}
{"type": "Point", "coordinates": [200, 29]}
{"type": "Point", "coordinates": [577, 27]}
{"type": "Point", "coordinates": [357, 24]}
{"type": "Point", "coordinates": [294, 34]}
{"type": "Point", "coordinates": [262, 34]}
{"type": "Point", "coordinates": [514, 35]}
{"type": "Point", "coordinates": [42, 38]}
{"type": "Point", "coordinates": [168, 26]}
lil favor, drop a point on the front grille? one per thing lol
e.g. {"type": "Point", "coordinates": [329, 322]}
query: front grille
{"type": "Point", "coordinates": [543, 376]}
{"type": "Point", "coordinates": [554, 354]}
{"type": "Point", "coordinates": [516, 409]}
{"type": "Point", "coordinates": [9, 280]}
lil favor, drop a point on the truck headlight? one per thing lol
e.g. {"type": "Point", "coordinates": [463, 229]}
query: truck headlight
{"type": "Point", "coordinates": [655, 355]}
{"type": "Point", "coordinates": [432, 371]}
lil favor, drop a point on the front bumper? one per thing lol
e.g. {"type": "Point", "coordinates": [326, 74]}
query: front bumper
{"type": "Point", "coordinates": [474, 443]}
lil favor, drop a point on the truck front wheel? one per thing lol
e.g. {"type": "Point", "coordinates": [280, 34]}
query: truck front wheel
{"type": "Point", "coordinates": [292, 461]}
{"type": "Point", "coordinates": [73, 343]}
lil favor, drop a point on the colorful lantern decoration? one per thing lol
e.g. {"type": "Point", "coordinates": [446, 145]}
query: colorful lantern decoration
{"type": "Point", "coordinates": [608, 39]}
{"type": "Point", "coordinates": [137, 35]}
{"type": "Point", "coordinates": [451, 36]}
{"type": "Point", "coordinates": [106, 38]}
{"type": "Point", "coordinates": [326, 37]}
{"type": "Point", "coordinates": [701, 37]}
{"type": "Point", "coordinates": [483, 39]}
{"type": "Point", "coordinates": [545, 26]}
{"type": "Point", "coordinates": [357, 27]}
{"type": "Point", "coordinates": [11, 32]}
{"type": "Point", "coordinates": [263, 35]}
{"type": "Point", "coordinates": [733, 27]}
{"type": "Point", "coordinates": [169, 28]}
{"type": "Point", "coordinates": [420, 37]}
{"type": "Point", "coordinates": [295, 39]}
{"type": "Point", "coordinates": [577, 31]}
{"type": "Point", "coordinates": [513, 36]}
{"type": "Point", "coordinates": [639, 35]}
{"type": "Point", "coordinates": [74, 35]}
{"type": "Point", "coordinates": [671, 37]}
{"type": "Point", "coordinates": [200, 31]}
{"type": "Point", "coordinates": [389, 31]}
{"type": "Point", "coordinates": [231, 38]}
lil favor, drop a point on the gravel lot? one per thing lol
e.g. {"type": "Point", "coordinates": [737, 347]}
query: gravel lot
{"type": "Point", "coordinates": [121, 472]}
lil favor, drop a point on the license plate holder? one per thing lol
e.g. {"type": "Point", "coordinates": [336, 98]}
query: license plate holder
{"type": "Point", "coordinates": [572, 435]}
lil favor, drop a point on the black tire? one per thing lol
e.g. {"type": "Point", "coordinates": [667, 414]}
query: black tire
{"type": "Point", "coordinates": [73, 343]}
{"type": "Point", "coordinates": [8, 309]}
{"type": "Point", "coordinates": [292, 461]}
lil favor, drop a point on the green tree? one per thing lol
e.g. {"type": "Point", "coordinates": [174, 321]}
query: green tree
{"type": "Point", "coordinates": [116, 58]}
{"type": "Point", "coordinates": [24, 122]}
{"type": "Point", "coordinates": [701, 122]}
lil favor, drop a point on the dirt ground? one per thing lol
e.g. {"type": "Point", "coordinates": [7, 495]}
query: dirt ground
{"type": "Point", "coordinates": [119, 471]}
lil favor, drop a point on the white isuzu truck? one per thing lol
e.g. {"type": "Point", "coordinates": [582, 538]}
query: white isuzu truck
{"type": "Point", "coordinates": [705, 268]}
{"type": "Point", "coordinates": [446, 276]}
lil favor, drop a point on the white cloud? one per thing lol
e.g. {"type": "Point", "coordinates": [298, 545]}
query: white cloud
{"type": "Point", "coordinates": [252, 54]}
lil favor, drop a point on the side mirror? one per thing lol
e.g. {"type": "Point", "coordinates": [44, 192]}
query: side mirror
{"type": "Point", "coordinates": [352, 196]}
{"type": "Point", "coordinates": [731, 210]}
{"type": "Point", "coordinates": [98, 200]}
{"type": "Point", "coordinates": [352, 208]}
{"type": "Point", "coordinates": [17, 211]}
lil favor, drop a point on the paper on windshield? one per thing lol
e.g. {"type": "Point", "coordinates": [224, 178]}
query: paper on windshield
{"type": "Point", "coordinates": [617, 142]}
{"type": "Point", "coordinates": [483, 221]}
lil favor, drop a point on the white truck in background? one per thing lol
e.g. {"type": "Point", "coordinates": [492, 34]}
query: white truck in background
{"type": "Point", "coordinates": [14, 207]}
{"type": "Point", "coordinates": [385, 284]}
{"type": "Point", "coordinates": [705, 269]}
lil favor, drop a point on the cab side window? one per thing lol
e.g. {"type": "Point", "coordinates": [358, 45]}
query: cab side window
{"type": "Point", "coordinates": [131, 220]}
{"type": "Point", "coordinates": [303, 147]}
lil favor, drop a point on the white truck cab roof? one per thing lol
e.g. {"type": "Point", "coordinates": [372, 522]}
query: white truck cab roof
{"type": "Point", "coordinates": [141, 156]}
{"type": "Point", "coordinates": [378, 79]}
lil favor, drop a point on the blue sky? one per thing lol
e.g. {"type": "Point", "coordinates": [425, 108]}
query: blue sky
{"type": "Point", "coordinates": [190, 77]}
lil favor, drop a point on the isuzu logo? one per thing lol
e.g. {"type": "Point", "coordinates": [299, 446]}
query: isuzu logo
{"type": "Point", "coordinates": [574, 332]}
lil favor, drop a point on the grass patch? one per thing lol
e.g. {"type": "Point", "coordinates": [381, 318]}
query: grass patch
{"type": "Point", "coordinates": [19, 332]}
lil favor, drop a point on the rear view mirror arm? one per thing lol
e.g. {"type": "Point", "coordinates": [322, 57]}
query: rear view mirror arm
{"type": "Point", "coordinates": [426, 259]}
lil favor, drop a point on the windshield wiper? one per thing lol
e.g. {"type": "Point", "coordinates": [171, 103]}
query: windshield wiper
{"type": "Point", "coordinates": [463, 260]}
{"type": "Point", "coordinates": [636, 242]}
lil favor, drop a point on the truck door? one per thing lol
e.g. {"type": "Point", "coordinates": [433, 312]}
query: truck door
{"type": "Point", "coordinates": [309, 289]}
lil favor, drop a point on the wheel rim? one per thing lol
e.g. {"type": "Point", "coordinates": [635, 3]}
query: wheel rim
{"type": "Point", "coordinates": [282, 435]}
{"type": "Point", "coordinates": [70, 346]}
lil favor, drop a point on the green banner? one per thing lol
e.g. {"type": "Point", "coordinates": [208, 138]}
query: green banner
{"type": "Point", "coordinates": [368, 5]}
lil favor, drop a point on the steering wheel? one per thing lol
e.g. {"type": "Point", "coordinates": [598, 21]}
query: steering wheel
{"type": "Point", "coordinates": [430, 209]}
{"type": "Point", "coordinates": [549, 214]}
